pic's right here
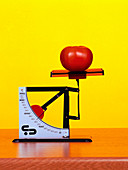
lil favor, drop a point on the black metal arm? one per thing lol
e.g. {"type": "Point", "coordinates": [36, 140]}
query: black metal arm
{"type": "Point", "coordinates": [77, 117]}
{"type": "Point", "coordinates": [52, 100]}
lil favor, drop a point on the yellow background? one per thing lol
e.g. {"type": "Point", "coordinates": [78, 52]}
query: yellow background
{"type": "Point", "coordinates": [32, 35]}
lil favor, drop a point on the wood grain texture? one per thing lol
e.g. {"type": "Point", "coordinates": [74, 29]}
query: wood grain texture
{"type": "Point", "coordinates": [64, 163]}
{"type": "Point", "coordinates": [106, 143]}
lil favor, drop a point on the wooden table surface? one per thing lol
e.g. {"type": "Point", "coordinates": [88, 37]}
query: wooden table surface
{"type": "Point", "coordinates": [109, 145]}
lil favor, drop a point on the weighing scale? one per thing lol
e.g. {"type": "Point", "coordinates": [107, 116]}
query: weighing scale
{"type": "Point", "coordinates": [32, 128]}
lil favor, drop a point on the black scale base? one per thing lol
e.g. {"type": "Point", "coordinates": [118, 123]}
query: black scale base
{"type": "Point", "coordinates": [53, 140]}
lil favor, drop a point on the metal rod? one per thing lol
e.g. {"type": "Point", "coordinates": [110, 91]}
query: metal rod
{"type": "Point", "coordinates": [66, 110]}
{"type": "Point", "coordinates": [78, 99]}
{"type": "Point", "coordinates": [52, 100]}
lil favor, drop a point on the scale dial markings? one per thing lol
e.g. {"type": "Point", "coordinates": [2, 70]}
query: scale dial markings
{"type": "Point", "coordinates": [31, 126]}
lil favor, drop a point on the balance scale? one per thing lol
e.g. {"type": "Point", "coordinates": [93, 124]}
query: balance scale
{"type": "Point", "coordinates": [32, 128]}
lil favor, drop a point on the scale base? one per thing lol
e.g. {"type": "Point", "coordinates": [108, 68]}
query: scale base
{"type": "Point", "coordinates": [53, 140]}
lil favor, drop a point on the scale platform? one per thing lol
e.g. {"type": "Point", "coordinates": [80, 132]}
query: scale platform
{"type": "Point", "coordinates": [78, 74]}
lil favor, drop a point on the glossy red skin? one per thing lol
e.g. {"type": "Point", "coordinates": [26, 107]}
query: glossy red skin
{"type": "Point", "coordinates": [76, 58]}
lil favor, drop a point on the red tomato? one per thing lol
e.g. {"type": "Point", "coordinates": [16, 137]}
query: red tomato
{"type": "Point", "coordinates": [76, 58]}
